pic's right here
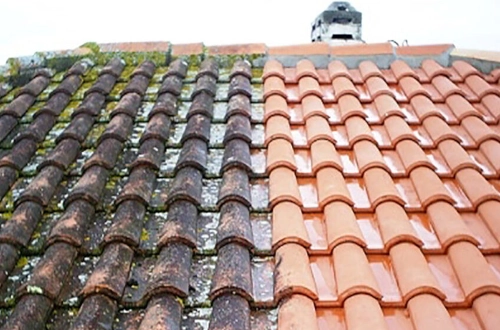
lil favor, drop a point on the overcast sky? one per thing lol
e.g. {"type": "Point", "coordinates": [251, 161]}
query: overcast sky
{"type": "Point", "coordinates": [29, 26]}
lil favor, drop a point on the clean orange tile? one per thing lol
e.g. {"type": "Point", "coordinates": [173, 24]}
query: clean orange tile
{"type": "Point", "coordinates": [280, 154]}
{"type": "Point", "coordinates": [322, 270]}
{"type": "Point", "coordinates": [332, 187]}
{"type": "Point", "coordinates": [353, 273]}
{"type": "Point", "coordinates": [293, 274]}
{"type": "Point", "coordinates": [275, 105]}
{"type": "Point", "coordinates": [297, 312]}
{"type": "Point", "coordinates": [377, 86]}
{"type": "Point", "coordinates": [350, 106]}
{"type": "Point", "coordinates": [480, 87]}
{"type": "Point", "coordinates": [288, 226]}
{"type": "Point", "coordinates": [305, 68]}
{"type": "Point", "coordinates": [446, 87]}
{"type": "Point", "coordinates": [428, 312]}
{"type": "Point", "coordinates": [485, 307]}
{"type": "Point", "coordinates": [358, 129]}
{"type": "Point", "coordinates": [434, 69]}
{"type": "Point", "coordinates": [421, 50]}
{"type": "Point", "coordinates": [283, 187]}
{"type": "Point", "coordinates": [278, 127]}
{"type": "Point", "coordinates": [476, 187]}
{"type": "Point", "coordinates": [439, 130]}
{"type": "Point", "coordinates": [273, 68]}
{"type": "Point", "coordinates": [429, 187]}
{"type": "Point", "coordinates": [312, 105]}
{"type": "Point", "coordinates": [424, 107]}
{"type": "Point", "coordinates": [464, 69]}
{"type": "Point", "coordinates": [363, 312]}
{"type": "Point", "coordinates": [369, 69]}
{"type": "Point", "coordinates": [412, 156]}
{"type": "Point", "coordinates": [461, 108]}
{"type": "Point", "coordinates": [381, 188]}
{"type": "Point", "coordinates": [412, 88]}
{"type": "Point", "coordinates": [309, 86]}
{"type": "Point", "coordinates": [362, 49]}
{"type": "Point", "coordinates": [323, 154]}
{"type": "Point", "coordinates": [274, 86]}
{"type": "Point", "coordinates": [338, 69]}
{"type": "Point", "coordinates": [456, 157]}
{"type": "Point", "coordinates": [341, 225]}
{"type": "Point", "coordinates": [398, 130]}
{"type": "Point", "coordinates": [368, 156]}
{"type": "Point", "coordinates": [479, 131]}
{"type": "Point", "coordinates": [401, 69]}
{"type": "Point", "coordinates": [395, 226]}
{"type": "Point", "coordinates": [317, 128]}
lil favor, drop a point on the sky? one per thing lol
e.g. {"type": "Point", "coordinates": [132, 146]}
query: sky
{"type": "Point", "coordinates": [29, 26]}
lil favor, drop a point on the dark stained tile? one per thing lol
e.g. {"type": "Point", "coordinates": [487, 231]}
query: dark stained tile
{"type": "Point", "coordinates": [232, 273]}
{"type": "Point", "coordinates": [150, 154]}
{"type": "Point", "coordinates": [230, 312]}
{"type": "Point", "coordinates": [68, 86]}
{"type": "Point", "coordinates": [238, 127]}
{"type": "Point", "coordinates": [158, 128]}
{"type": "Point", "coordinates": [90, 186]}
{"type": "Point", "coordinates": [138, 84]}
{"type": "Point", "coordinates": [96, 312]}
{"type": "Point", "coordinates": [91, 104]}
{"type": "Point", "coordinates": [78, 129]}
{"type": "Point", "coordinates": [105, 155]}
{"type": "Point", "coordinates": [127, 223]}
{"type": "Point", "coordinates": [50, 273]}
{"type": "Point", "coordinates": [111, 272]}
{"type": "Point", "coordinates": [55, 105]}
{"type": "Point", "coordinates": [171, 272]}
{"type": "Point", "coordinates": [198, 127]}
{"type": "Point", "coordinates": [237, 154]}
{"type": "Point", "coordinates": [241, 67]}
{"type": "Point", "coordinates": [9, 256]}
{"type": "Point", "coordinates": [114, 67]}
{"type": "Point", "coordinates": [35, 86]}
{"type": "Point", "coordinates": [118, 128]}
{"type": "Point", "coordinates": [21, 225]}
{"type": "Point", "coordinates": [193, 154]}
{"type": "Point", "coordinates": [235, 187]}
{"type": "Point", "coordinates": [146, 69]}
{"type": "Point", "coordinates": [165, 103]}
{"type": "Point", "coordinates": [205, 84]}
{"type": "Point", "coordinates": [129, 104]}
{"type": "Point", "coordinates": [63, 155]}
{"type": "Point", "coordinates": [240, 85]}
{"type": "Point", "coordinates": [208, 67]}
{"type": "Point", "coordinates": [43, 186]}
{"type": "Point", "coordinates": [19, 155]}
{"type": "Point", "coordinates": [171, 84]}
{"type": "Point", "coordinates": [79, 68]}
{"type": "Point", "coordinates": [7, 124]}
{"type": "Point", "coordinates": [203, 104]}
{"type": "Point", "coordinates": [234, 225]}
{"type": "Point", "coordinates": [180, 225]}
{"type": "Point", "coordinates": [31, 312]}
{"type": "Point", "coordinates": [238, 104]}
{"type": "Point", "coordinates": [38, 129]}
{"type": "Point", "coordinates": [163, 312]}
{"type": "Point", "coordinates": [19, 106]}
{"type": "Point", "coordinates": [187, 186]}
{"type": "Point", "coordinates": [103, 85]}
{"type": "Point", "coordinates": [71, 225]}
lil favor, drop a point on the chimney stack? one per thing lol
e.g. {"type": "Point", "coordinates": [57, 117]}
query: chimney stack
{"type": "Point", "coordinates": [340, 23]}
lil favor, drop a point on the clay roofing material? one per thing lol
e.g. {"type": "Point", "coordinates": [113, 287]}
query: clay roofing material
{"type": "Point", "coordinates": [159, 186]}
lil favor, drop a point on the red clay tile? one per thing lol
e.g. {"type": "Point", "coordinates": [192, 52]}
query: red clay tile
{"type": "Point", "coordinates": [273, 68]}
{"type": "Point", "coordinates": [331, 187]}
{"type": "Point", "coordinates": [363, 311]}
{"type": "Point", "coordinates": [434, 69]}
{"type": "Point", "coordinates": [323, 154]}
{"type": "Point", "coordinates": [274, 86]}
{"type": "Point", "coordinates": [456, 157]}
{"type": "Point", "coordinates": [474, 273]}
{"type": "Point", "coordinates": [461, 108]}
{"type": "Point", "coordinates": [369, 69]}
{"type": "Point", "coordinates": [343, 86]}
{"type": "Point", "coordinates": [358, 129]}
{"type": "Point", "coordinates": [479, 131]}
{"type": "Point", "coordinates": [464, 69]}
{"type": "Point", "coordinates": [429, 187]}
{"type": "Point", "coordinates": [381, 188]}
{"type": "Point", "coordinates": [317, 128]}
{"type": "Point", "coordinates": [353, 273]}
{"type": "Point", "coordinates": [315, 48]}
{"type": "Point", "coordinates": [424, 107]}
{"type": "Point", "coordinates": [489, 213]}
{"type": "Point", "coordinates": [398, 130]}
{"type": "Point", "coordinates": [363, 49]}
{"type": "Point", "coordinates": [368, 156]}
{"type": "Point", "coordinates": [280, 154]}
{"type": "Point", "coordinates": [412, 88]}
{"type": "Point", "coordinates": [350, 106]}
{"type": "Point", "coordinates": [449, 226]}
{"type": "Point", "coordinates": [485, 308]}
{"type": "Point", "coordinates": [312, 105]}
{"type": "Point", "coordinates": [341, 225]}
{"type": "Point", "coordinates": [297, 312]}
{"type": "Point", "coordinates": [275, 105]}
{"type": "Point", "coordinates": [412, 156]}
{"type": "Point", "coordinates": [480, 87]}
{"type": "Point", "coordinates": [401, 69]}
{"type": "Point", "coordinates": [492, 103]}
{"type": "Point", "coordinates": [292, 273]}
{"type": "Point", "coordinates": [187, 49]}
{"type": "Point", "coordinates": [438, 130]}
{"type": "Point", "coordinates": [241, 49]}
{"type": "Point", "coordinates": [428, 312]}
{"type": "Point", "coordinates": [395, 226]}
{"type": "Point", "coordinates": [309, 86]}
{"type": "Point", "coordinates": [278, 127]}
{"type": "Point", "coordinates": [305, 68]}
{"type": "Point", "coordinates": [446, 87]}
{"type": "Point", "coordinates": [491, 149]}
{"type": "Point", "coordinates": [377, 87]}
{"type": "Point", "coordinates": [288, 226]}
{"type": "Point", "coordinates": [338, 69]}
{"type": "Point", "coordinates": [283, 187]}
{"type": "Point", "coordinates": [476, 187]}
{"type": "Point", "coordinates": [421, 50]}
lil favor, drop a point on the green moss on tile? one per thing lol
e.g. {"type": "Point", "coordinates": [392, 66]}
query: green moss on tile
{"type": "Point", "coordinates": [23, 261]}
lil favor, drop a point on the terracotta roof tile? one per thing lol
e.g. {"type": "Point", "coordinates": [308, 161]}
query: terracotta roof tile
{"type": "Point", "coordinates": [147, 192]}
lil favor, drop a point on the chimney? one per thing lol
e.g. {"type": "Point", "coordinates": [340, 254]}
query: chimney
{"type": "Point", "coordinates": [339, 23]}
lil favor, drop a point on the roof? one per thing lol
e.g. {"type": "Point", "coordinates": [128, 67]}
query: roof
{"type": "Point", "coordinates": [160, 186]}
